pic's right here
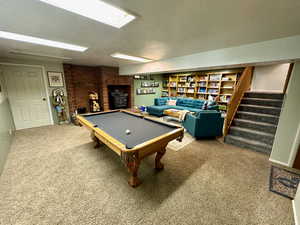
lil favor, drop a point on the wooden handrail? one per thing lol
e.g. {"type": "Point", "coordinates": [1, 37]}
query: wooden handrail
{"type": "Point", "coordinates": [242, 86]}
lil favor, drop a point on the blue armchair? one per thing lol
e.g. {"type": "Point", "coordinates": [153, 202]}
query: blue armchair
{"type": "Point", "coordinates": [204, 124]}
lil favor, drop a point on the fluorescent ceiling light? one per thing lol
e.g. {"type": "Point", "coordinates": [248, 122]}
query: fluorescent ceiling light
{"type": "Point", "coordinates": [16, 52]}
{"type": "Point", "coordinates": [129, 57]}
{"type": "Point", "coordinates": [95, 10]}
{"type": "Point", "coordinates": [40, 41]}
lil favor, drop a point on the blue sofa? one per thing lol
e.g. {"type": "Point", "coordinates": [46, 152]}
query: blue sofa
{"type": "Point", "coordinates": [205, 124]}
{"type": "Point", "coordinates": [193, 105]}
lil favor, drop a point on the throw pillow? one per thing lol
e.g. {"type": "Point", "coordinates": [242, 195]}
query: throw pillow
{"type": "Point", "coordinates": [204, 106]}
{"type": "Point", "coordinates": [171, 102]}
{"type": "Point", "coordinates": [211, 103]}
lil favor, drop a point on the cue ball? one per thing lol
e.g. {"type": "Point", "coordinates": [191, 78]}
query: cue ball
{"type": "Point", "coordinates": [127, 131]}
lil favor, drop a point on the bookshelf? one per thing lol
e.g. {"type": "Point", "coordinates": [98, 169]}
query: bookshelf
{"type": "Point", "coordinates": [199, 85]}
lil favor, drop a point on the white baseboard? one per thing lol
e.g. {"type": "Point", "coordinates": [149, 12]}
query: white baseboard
{"type": "Point", "coordinates": [278, 162]}
{"type": "Point", "coordinates": [296, 216]}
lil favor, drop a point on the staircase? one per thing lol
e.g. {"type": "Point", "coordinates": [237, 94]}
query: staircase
{"type": "Point", "coordinates": [255, 122]}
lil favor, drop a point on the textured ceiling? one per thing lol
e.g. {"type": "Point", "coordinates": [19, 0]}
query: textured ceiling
{"type": "Point", "coordinates": [163, 29]}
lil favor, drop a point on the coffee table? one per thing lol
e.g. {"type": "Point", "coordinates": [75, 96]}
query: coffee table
{"type": "Point", "coordinates": [172, 114]}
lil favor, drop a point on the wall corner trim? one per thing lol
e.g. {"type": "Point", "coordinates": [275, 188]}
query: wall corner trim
{"type": "Point", "coordinates": [296, 215]}
{"type": "Point", "coordinates": [278, 162]}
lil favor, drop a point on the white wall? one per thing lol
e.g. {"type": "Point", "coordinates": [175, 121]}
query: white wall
{"type": "Point", "coordinates": [296, 206]}
{"type": "Point", "coordinates": [269, 78]}
{"type": "Point", "coordinates": [287, 136]}
{"type": "Point", "coordinates": [6, 125]}
{"type": "Point", "coordinates": [279, 50]}
{"type": "Point", "coordinates": [48, 66]}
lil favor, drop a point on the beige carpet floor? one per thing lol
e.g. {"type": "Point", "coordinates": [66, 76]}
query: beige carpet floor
{"type": "Point", "coordinates": [54, 176]}
{"type": "Point", "coordinates": [176, 145]}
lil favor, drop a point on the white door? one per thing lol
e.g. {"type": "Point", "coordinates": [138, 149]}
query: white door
{"type": "Point", "coordinates": [27, 96]}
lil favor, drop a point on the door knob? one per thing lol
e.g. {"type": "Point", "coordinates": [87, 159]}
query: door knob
{"type": "Point", "coordinates": [44, 99]}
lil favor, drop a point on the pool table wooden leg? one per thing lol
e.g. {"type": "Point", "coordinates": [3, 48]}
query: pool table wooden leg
{"type": "Point", "coordinates": [159, 155]}
{"type": "Point", "coordinates": [133, 168]}
{"type": "Point", "coordinates": [96, 140]}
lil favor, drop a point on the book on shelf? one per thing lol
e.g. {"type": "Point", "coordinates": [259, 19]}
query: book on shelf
{"type": "Point", "coordinates": [202, 83]}
{"type": "Point", "coordinates": [215, 77]}
{"type": "Point", "coordinates": [228, 79]}
{"type": "Point", "coordinates": [180, 90]}
{"type": "Point", "coordinates": [201, 90]}
{"type": "Point", "coordinates": [190, 90]}
{"type": "Point", "coordinates": [213, 87]}
{"type": "Point", "coordinates": [190, 85]}
{"type": "Point", "coordinates": [190, 79]}
{"type": "Point", "coordinates": [225, 99]}
{"type": "Point", "coordinates": [213, 91]}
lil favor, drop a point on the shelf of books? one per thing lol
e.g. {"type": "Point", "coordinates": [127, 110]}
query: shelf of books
{"type": "Point", "coordinates": [219, 84]}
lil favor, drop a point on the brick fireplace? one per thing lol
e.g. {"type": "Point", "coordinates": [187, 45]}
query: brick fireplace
{"type": "Point", "coordinates": [110, 76]}
{"type": "Point", "coordinates": [80, 80]}
{"type": "Point", "coordinates": [119, 96]}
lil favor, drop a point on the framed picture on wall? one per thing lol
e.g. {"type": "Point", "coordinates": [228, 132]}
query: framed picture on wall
{"type": "Point", "coordinates": [55, 79]}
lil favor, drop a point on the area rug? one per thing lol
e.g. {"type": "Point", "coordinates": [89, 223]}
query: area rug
{"type": "Point", "coordinates": [176, 145]}
{"type": "Point", "coordinates": [284, 182]}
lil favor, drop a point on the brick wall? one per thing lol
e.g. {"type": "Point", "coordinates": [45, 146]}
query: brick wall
{"type": "Point", "coordinates": [80, 80]}
{"type": "Point", "coordinates": [110, 76]}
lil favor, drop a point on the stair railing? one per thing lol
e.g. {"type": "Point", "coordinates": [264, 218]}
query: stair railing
{"type": "Point", "coordinates": [242, 86]}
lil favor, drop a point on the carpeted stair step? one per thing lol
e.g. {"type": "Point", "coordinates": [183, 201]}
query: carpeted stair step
{"type": "Point", "coordinates": [260, 109]}
{"type": "Point", "coordinates": [266, 95]}
{"type": "Point", "coordinates": [262, 101]}
{"type": "Point", "coordinates": [259, 117]}
{"type": "Point", "coordinates": [248, 144]}
{"type": "Point", "coordinates": [254, 125]}
{"type": "Point", "coordinates": [250, 134]}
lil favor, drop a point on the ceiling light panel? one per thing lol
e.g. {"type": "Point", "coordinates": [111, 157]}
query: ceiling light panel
{"type": "Point", "coordinates": [25, 53]}
{"type": "Point", "coordinates": [129, 57]}
{"type": "Point", "coordinates": [95, 10]}
{"type": "Point", "coordinates": [40, 41]}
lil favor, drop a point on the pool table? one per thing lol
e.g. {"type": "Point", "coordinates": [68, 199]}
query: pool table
{"type": "Point", "coordinates": [132, 136]}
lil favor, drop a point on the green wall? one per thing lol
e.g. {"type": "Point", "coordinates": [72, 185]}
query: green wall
{"type": "Point", "coordinates": [6, 125]}
{"type": "Point", "coordinates": [147, 99]}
